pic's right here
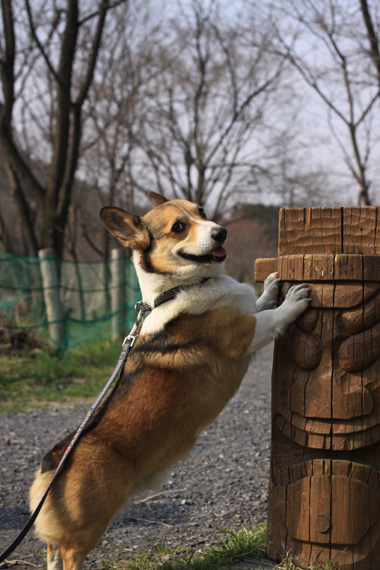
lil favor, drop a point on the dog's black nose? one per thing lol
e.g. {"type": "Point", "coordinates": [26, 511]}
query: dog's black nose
{"type": "Point", "coordinates": [219, 234]}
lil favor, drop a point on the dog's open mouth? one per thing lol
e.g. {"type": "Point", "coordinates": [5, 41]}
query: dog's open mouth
{"type": "Point", "coordinates": [217, 255]}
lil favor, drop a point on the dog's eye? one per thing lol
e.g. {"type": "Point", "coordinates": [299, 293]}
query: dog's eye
{"type": "Point", "coordinates": [178, 227]}
{"type": "Point", "coordinates": [202, 213]}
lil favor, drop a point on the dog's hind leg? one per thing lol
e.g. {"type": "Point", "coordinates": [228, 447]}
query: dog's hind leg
{"type": "Point", "coordinates": [72, 559]}
{"type": "Point", "coordinates": [54, 558]}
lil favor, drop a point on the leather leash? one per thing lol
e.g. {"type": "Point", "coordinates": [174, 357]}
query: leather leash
{"type": "Point", "coordinates": [126, 347]}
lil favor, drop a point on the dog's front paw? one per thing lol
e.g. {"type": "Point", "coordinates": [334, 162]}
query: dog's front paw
{"type": "Point", "coordinates": [271, 286]}
{"type": "Point", "coordinates": [269, 298]}
{"type": "Point", "coordinates": [296, 302]}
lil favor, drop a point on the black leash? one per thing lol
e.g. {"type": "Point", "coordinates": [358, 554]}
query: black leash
{"type": "Point", "coordinates": [127, 345]}
{"type": "Point", "coordinates": [142, 309]}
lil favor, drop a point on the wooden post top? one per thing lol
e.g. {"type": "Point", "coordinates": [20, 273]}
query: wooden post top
{"type": "Point", "coordinates": [326, 244]}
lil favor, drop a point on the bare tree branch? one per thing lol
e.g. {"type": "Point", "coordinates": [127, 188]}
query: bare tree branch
{"type": "Point", "coordinates": [358, 104]}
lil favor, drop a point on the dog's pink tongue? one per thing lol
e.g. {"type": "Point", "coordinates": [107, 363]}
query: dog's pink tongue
{"type": "Point", "coordinates": [220, 252]}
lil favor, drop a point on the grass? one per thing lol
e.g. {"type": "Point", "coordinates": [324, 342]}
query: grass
{"type": "Point", "coordinates": [236, 546]}
{"type": "Point", "coordinates": [235, 551]}
{"type": "Point", "coordinates": [315, 565]}
{"type": "Point", "coordinates": [44, 379]}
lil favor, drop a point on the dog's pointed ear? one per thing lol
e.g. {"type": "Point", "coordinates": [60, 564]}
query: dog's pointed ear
{"type": "Point", "coordinates": [128, 228]}
{"type": "Point", "coordinates": [157, 199]}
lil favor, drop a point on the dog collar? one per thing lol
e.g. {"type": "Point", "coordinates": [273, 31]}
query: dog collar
{"type": "Point", "coordinates": [144, 308]}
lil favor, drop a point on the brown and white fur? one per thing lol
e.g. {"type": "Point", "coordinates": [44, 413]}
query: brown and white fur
{"type": "Point", "coordinates": [189, 360]}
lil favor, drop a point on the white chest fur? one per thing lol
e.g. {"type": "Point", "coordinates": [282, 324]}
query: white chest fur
{"type": "Point", "coordinates": [215, 292]}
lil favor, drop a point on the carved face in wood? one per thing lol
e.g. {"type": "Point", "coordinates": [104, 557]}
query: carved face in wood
{"type": "Point", "coordinates": [326, 427]}
{"type": "Point", "coordinates": [332, 384]}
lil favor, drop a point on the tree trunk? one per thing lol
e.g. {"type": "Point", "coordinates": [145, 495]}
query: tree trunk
{"type": "Point", "coordinates": [52, 196]}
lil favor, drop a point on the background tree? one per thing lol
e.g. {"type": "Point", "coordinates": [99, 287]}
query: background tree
{"type": "Point", "coordinates": [208, 108]}
{"type": "Point", "coordinates": [188, 104]}
{"type": "Point", "coordinates": [194, 100]}
{"type": "Point", "coordinates": [371, 24]}
{"type": "Point", "coordinates": [324, 41]}
{"type": "Point", "coordinates": [48, 59]}
{"type": "Point", "coordinates": [115, 114]}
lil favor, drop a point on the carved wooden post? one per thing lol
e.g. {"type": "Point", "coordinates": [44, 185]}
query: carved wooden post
{"type": "Point", "coordinates": [324, 499]}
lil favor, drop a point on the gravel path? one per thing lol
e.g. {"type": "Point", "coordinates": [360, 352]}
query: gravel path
{"type": "Point", "coordinates": [222, 484]}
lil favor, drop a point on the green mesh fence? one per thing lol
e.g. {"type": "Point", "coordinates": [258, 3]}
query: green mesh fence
{"type": "Point", "coordinates": [95, 299]}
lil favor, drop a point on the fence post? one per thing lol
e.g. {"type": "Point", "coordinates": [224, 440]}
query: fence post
{"type": "Point", "coordinates": [325, 457]}
{"type": "Point", "coordinates": [50, 282]}
{"type": "Point", "coordinates": [118, 286]}
{"type": "Point", "coordinates": [133, 293]}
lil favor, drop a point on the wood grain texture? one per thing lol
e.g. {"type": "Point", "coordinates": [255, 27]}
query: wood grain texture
{"type": "Point", "coordinates": [327, 267]}
{"type": "Point", "coordinates": [310, 230]}
{"type": "Point", "coordinates": [329, 230]}
{"type": "Point", "coordinates": [264, 267]}
{"type": "Point", "coordinates": [324, 499]}
{"type": "Point", "coordinates": [361, 230]}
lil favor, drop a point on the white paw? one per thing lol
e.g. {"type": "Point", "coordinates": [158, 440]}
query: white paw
{"type": "Point", "coordinates": [269, 298]}
{"type": "Point", "coordinates": [271, 285]}
{"type": "Point", "coordinates": [296, 302]}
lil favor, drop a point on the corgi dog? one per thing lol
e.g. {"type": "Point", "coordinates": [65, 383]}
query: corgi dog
{"type": "Point", "coordinates": [193, 351]}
